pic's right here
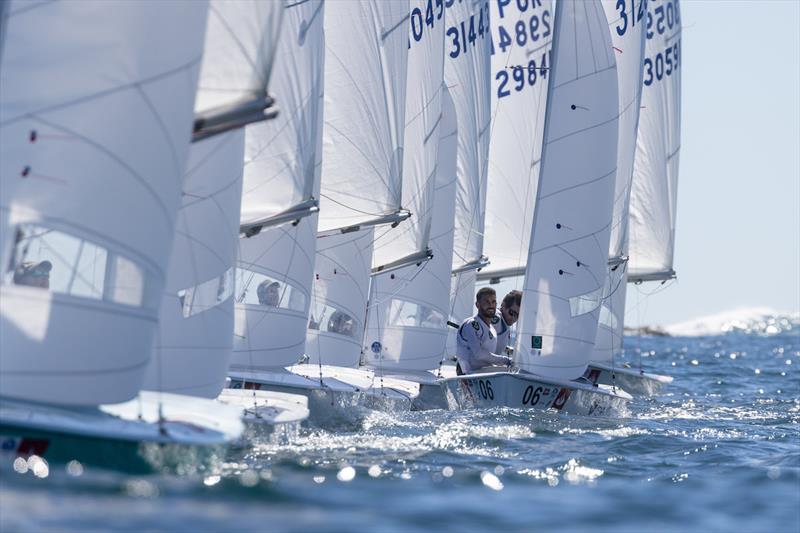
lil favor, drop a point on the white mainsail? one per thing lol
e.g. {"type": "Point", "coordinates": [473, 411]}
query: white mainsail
{"type": "Point", "coordinates": [519, 91]}
{"type": "Point", "coordinates": [366, 52]}
{"type": "Point", "coordinates": [95, 135]}
{"type": "Point", "coordinates": [241, 39]}
{"type": "Point", "coordinates": [655, 176]}
{"type": "Point", "coordinates": [408, 243]}
{"type": "Point", "coordinates": [568, 253]}
{"type": "Point", "coordinates": [467, 67]}
{"type": "Point", "coordinates": [194, 340]}
{"type": "Point", "coordinates": [409, 307]}
{"type": "Point", "coordinates": [626, 23]}
{"type": "Point", "coordinates": [281, 185]}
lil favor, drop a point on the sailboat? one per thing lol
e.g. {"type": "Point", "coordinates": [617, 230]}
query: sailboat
{"type": "Point", "coordinates": [467, 67]}
{"type": "Point", "coordinates": [409, 296]}
{"type": "Point", "coordinates": [642, 236]}
{"type": "Point", "coordinates": [95, 133]}
{"type": "Point", "coordinates": [570, 232]}
{"type": "Point", "coordinates": [197, 319]}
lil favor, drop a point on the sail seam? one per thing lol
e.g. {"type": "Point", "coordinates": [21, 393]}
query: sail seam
{"type": "Point", "coordinates": [593, 180]}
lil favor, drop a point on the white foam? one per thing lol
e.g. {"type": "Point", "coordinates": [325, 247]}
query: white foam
{"type": "Point", "coordinates": [760, 320]}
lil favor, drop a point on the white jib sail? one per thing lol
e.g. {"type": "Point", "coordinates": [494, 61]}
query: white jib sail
{"type": "Point", "coordinates": [241, 39]}
{"type": "Point", "coordinates": [408, 243]}
{"type": "Point", "coordinates": [366, 52]}
{"type": "Point", "coordinates": [95, 128]}
{"type": "Point", "coordinates": [568, 254]}
{"type": "Point", "coordinates": [655, 176]}
{"type": "Point", "coordinates": [627, 24]}
{"type": "Point", "coordinates": [406, 322]}
{"type": "Point", "coordinates": [282, 177]}
{"type": "Point", "coordinates": [522, 35]}
{"type": "Point", "coordinates": [194, 341]}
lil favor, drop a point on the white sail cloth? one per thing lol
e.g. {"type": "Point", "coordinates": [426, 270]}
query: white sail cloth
{"type": "Point", "coordinates": [339, 298]}
{"type": "Point", "coordinates": [467, 68]}
{"type": "Point", "coordinates": [282, 156]}
{"type": "Point", "coordinates": [655, 177]}
{"type": "Point", "coordinates": [366, 52]}
{"type": "Point", "coordinates": [466, 74]}
{"type": "Point", "coordinates": [408, 242]}
{"type": "Point", "coordinates": [282, 175]}
{"type": "Point", "coordinates": [194, 341]}
{"type": "Point", "coordinates": [568, 252]}
{"type": "Point", "coordinates": [627, 28]}
{"type": "Point", "coordinates": [240, 44]}
{"type": "Point", "coordinates": [406, 321]}
{"type": "Point", "coordinates": [94, 130]}
{"type": "Point", "coordinates": [519, 91]}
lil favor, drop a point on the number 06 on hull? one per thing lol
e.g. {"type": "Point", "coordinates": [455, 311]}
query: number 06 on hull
{"type": "Point", "coordinates": [523, 390]}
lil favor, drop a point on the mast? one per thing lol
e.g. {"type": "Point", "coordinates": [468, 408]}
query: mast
{"type": "Point", "coordinates": [568, 251]}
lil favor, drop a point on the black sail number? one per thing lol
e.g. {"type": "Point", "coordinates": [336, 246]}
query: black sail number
{"type": "Point", "coordinates": [485, 387]}
{"type": "Point", "coordinates": [531, 396]}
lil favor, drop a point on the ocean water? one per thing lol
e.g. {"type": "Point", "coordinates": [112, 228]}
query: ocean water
{"type": "Point", "coordinates": [718, 450]}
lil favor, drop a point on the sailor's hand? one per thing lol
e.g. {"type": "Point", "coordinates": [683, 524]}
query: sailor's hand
{"type": "Point", "coordinates": [509, 362]}
{"type": "Point", "coordinates": [509, 350]}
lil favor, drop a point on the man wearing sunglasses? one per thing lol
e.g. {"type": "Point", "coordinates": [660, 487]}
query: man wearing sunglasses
{"type": "Point", "coordinates": [506, 317]}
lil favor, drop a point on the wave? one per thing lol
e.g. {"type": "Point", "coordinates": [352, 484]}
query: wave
{"type": "Point", "coordinates": [747, 320]}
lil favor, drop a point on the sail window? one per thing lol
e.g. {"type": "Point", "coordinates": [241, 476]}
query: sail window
{"type": "Point", "coordinates": [607, 318]}
{"type": "Point", "coordinates": [328, 318]}
{"type": "Point", "coordinates": [254, 288]}
{"type": "Point", "coordinates": [65, 264]}
{"type": "Point", "coordinates": [585, 303]}
{"type": "Point", "coordinates": [407, 313]}
{"type": "Point", "coordinates": [206, 295]}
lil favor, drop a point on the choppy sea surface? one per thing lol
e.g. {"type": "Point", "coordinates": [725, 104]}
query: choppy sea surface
{"type": "Point", "coordinates": [717, 450]}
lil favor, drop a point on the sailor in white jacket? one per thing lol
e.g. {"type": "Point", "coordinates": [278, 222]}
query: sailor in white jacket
{"type": "Point", "coordinates": [476, 342]}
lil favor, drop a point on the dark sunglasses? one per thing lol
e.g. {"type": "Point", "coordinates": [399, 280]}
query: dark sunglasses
{"type": "Point", "coordinates": [512, 313]}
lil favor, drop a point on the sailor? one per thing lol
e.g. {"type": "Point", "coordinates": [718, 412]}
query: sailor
{"type": "Point", "coordinates": [476, 342]}
{"type": "Point", "coordinates": [506, 317]}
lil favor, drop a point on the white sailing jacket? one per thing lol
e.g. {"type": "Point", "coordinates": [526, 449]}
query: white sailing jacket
{"type": "Point", "coordinates": [503, 331]}
{"type": "Point", "coordinates": [476, 344]}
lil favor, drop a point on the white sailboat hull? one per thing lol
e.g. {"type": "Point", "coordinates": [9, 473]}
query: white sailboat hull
{"type": "Point", "coordinates": [636, 382]}
{"type": "Point", "coordinates": [528, 391]}
{"type": "Point", "coordinates": [120, 435]}
{"type": "Point", "coordinates": [335, 394]}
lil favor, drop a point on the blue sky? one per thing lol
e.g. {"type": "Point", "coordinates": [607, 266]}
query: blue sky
{"type": "Point", "coordinates": [738, 227]}
{"type": "Point", "coordinates": [738, 222]}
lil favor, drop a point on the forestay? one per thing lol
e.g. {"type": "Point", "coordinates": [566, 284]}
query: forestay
{"type": "Point", "coordinates": [240, 45]}
{"type": "Point", "coordinates": [408, 242]}
{"type": "Point", "coordinates": [626, 22]}
{"type": "Point", "coordinates": [366, 51]}
{"type": "Point", "coordinates": [569, 242]}
{"type": "Point", "coordinates": [282, 177]}
{"type": "Point", "coordinates": [522, 34]}
{"type": "Point", "coordinates": [194, 340]}
{"type": "Point", "coordinates": [655, 178]}
{"type": "Point", "coordinates": [408, 308]}
{"type": "Point", "coordinates": [95, 129]}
